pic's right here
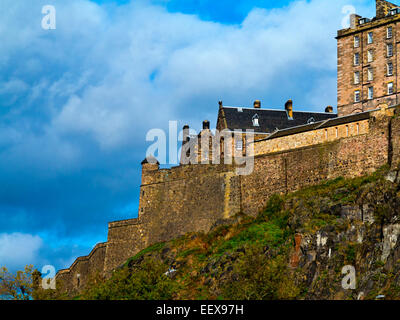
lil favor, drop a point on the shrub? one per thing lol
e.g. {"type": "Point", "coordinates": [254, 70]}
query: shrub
{"type": "Point", "coordinates": [145, 282]}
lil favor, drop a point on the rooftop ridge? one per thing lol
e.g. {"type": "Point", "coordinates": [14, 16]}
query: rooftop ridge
{"type": "Point", "coordinates": [279, 110]}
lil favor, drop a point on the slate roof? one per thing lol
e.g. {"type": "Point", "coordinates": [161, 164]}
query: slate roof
{"type": "Point", "coordinates": [270, 120]}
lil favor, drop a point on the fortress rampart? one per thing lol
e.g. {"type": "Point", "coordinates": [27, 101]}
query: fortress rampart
{"type": "Point", "coordinates": [193, 198]}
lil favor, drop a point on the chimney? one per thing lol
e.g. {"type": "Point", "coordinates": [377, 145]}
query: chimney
{"type": "Point", "coordinates": [289, 108]}
{"type": "Point", "coordinates": [206, 124]}
{"type": "Point", "coordinates": [185, 133]}
{"type": "Point", "coordinates": [329, 109]}
{"type": "Point", "coordinates": [354, 20]}
{"type": "Point", "coordinates": [257, 104]}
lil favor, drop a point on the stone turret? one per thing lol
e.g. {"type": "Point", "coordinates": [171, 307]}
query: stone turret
{"type": "Point", "coordinates": [150, 163]}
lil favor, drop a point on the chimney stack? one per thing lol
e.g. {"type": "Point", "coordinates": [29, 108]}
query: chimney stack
{"type": "Point", "coordinates": [206, 124]}
{"type": "Point", "coordinates": [329, 109]}
{"type": "Point", "coordinates": [257, 104]}
{"type": "Point", "coordinates": [354, 20]}
{"type": "Point", "coordinates": [186, 136]}
{"type": "Point", "coordinates": [289, 108]}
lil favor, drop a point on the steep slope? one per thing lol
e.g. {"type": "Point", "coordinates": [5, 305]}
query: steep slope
{"type": "Point", "coordinates": [295, 249]}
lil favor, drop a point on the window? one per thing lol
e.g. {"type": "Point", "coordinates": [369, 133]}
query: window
{"type": "Point", "coordinates": [370, 56]}
{"type": "Point", "coordinates": [389, 50]}
{"type": "Point", "coordinates": [239, 145]}
{"type": "Point", "coordinates": [370, 93]}
{"type": "Point", "coordinates": [389, 32]}
{"type": "Point", "coordinates": [370, 74]}
{"type": "Point", "coordinates": [370, 37]}
{"type": "Point", "coordinates": [311, 120]}
{"type": "Point", "coordinates": [356, 77]}
{"type": "Point", "coordinates": [390, 88]}
{"type": "Point", "coordinates": [356, 41]}
{"type": "Point", "coordinates": [337, 132]}
{"type": "Point", "coordinates": [255, 120]}
{"type": "Point", "coordinates": [394, 11]}
{"type": "Point", "coordinates": [358, 128]}
{"type": "Point", "coordinates": [357, 96]}
{"type": "Point", "coordinates": [347, 131]}
{"type": "Point", "coordinates": [390, 69]}
{"type": "Point", "coordinates": [356, 59]}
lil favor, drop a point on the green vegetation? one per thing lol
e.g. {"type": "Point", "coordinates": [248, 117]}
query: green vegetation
{"type": "Point", "coordinates": [18, 286]}
{"type": "Point", "coordinates": [255, 258]}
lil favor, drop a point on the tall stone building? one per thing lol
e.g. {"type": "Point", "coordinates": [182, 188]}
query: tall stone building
{"type": "Point", "coordinates": [368, 60]}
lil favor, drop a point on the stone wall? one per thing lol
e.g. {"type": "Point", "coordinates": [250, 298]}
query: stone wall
{"type": "Point", "coordinates": [289, 170]}
{"type": "Point", "coordinates": [312, 137]}
{"type": "Point", "coordinates": [173, 202]}
{"type": "Point", "coordinates": [193, 198]}
{"type": "Point", "coordinates": [75, 277]}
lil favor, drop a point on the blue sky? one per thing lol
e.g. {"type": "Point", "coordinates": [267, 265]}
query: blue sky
{"type": "Point", "coordinates": [76, 102]}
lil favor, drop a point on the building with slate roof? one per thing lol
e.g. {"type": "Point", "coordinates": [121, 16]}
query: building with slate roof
{"type": "Point", "coordinates": [267, 120]}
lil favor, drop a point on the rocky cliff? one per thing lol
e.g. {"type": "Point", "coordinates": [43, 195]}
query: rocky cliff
{"type": "Point", "coordinates": [303, 245]}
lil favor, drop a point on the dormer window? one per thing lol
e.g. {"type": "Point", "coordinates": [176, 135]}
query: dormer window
{"type": "Point", "coordinates": [394, 11]}
{"type": "Point", "coordinates": [255, 121]}
{"type": "Point", "coordinates": [311, 120]}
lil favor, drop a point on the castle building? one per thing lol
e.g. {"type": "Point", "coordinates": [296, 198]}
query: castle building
{"type": "Point", "coordinates": [291, 149]}
{"type": "Point", "coordinates": [368, 60]}
{"type": "Point", "coordinates": [260, 122]}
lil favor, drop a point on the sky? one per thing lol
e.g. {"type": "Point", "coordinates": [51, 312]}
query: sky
{"type": "Point", "coordinates": [77, 102]}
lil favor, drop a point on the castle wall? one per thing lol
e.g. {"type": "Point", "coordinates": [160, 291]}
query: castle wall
{"type": "Point", "coordinates": [193, 198]}
{"type": "Point", "coordinates": [189, 198]}
{"type": "Point", "coordinates": [395, 142]}
{"type": "Point", "coordinates": [125, 239]}
{"type": "Point", "coordinates": [289, 170]}
{"type": "Point", "coordinates": [174, 202]}
{"type": "Point", "coordinates": [76, 277]}
{"type": "Point", "coordinates": [312, 137]}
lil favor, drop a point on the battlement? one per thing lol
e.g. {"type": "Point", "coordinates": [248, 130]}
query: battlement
{"type": "Point", "coordinates": [181, 172]}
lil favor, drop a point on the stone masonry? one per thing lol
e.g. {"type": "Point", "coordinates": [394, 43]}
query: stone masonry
{"type": "Point", "coordinates": [194, 198]}
{"type": "Point", "coordinates": [368, 61]}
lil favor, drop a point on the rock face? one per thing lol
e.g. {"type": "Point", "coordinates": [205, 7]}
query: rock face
{"type": "Point", "coordinates": [364, 235]}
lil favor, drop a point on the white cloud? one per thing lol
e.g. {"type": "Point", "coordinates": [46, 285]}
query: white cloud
{"type": "Point", "coordinates": [106, 61]}
{"type": "Point", "coordinates": [76, 102]}
{"type": "Point", "coordinates": [18, 249]}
